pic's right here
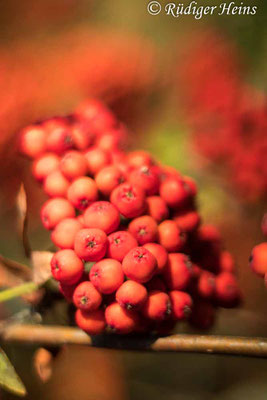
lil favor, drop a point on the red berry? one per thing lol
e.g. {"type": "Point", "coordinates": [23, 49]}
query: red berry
{"type": "Point", "coordinates": [181, 304]}
{"type": "Point", "coordinates": [66, 267]}
{"type": "Point", "coordinates": [92, 322]}
{"type": "Point", "coordinates": [160, 253]}
{"type": "Point", "coordinates": [139, 265]}
{"type": "Point", "coordinates": [56, 185]}
{"type": "Point", "coordinates": [175, 192]}
{"type": "Point", "coordinates": [59, 140]}
{"type": "Point", "coordinates": [90, 244]}
{"type": "Point", "coordinates": [95, 112]}
{"type": "Point", "coordinates": [139, 158]}
{"type": "Point", "coordinates": [119, 244]}
{"type": "Point", "coordinates": [146, 177]}
{"type": "Point", "coordinates": [157, 306]}
{"type": "Point", "coordinates": [227, 291]}
{"type": "Point", "coordinates": [82, 192]}
{"type": "Point", "coordinates": [33, 141]}
{"type": "Point", "coordinates": [226, 262]}
{"type": "Point", "coordinates": [73, 165]}
{"type": "Point", "coordinates": [129, 199]}
{"type": "Point", "coordinates": [107, 275]}
{"type": "Point", "coordinates": [157, 208]}
{"type": "Point", "coordinates": [108, 179]}
{"type": "Point", "coordinates": [144, 229]}
{"type": "Point", "coordinates": [44, 165]}
{"type": "Point", "coordinates": [55, 210]}
{"type": "Point", "coordinates": [64, 233]}
{"type": "Point", "coordinates": [170, 236]}
{"type": "Point", "coordinates": [258, 259]}
{"type": "Point", "coordinates": [96, 160]}
{"type": "Point", "coordinates": [86, 297]}
{"type": "Point", "coordinates": [206, 285]}
{"type": "Point", "coordinates": [102, 215]}
{"type": "Point", "coordinates": [120, 320]}
{"type": "Point", "coordinates": [81, 136]}
{"type": "Point", "coordinates": [177, 272]}
{"type": "Point", "coordinates": [187, 220]}
{"type": "Point", "coordinates": [131, 295]}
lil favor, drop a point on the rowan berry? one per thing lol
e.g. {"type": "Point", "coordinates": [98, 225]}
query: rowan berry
{"type": "Point", "coordinates": [139, 158]}
{"type": "Point", "coordinates": [227, 291]}
{"type": "Point", "coordinates": [181, 304]}
{"type": "Point", "coordinates": [206, 284]}
{"type": "Point", "coordinates": [175, 192]}
{"type": "Point", "coordinates": [90, 244]}
{"type": "Point", "coordinates": [56, 185]}
{"type": "Point", "coordinates": [146, 177]}
{"type": "Point", "coordinates": [86, 297]}
{"type": "Point", "coordinates": [119, 320]}
{"type": "Point", "coordinates": [107, 275]}
{"type": "Point", "coordinates": [131, 295]}
{"type": "Point", "coordinates": [59, 140]}
{"type": "Point", "coordinates": [73, 165]}
{"type": "Point", "coordinates": [92, 322]}
{"type": "Point", "coordinates": [144, 229]}
{"type": "Point", "coordinates": [119, 244]}
{"type": "Point", "coordinates": [108, 179]}
{"type": "Point", "coordinates": [177, 272]}
{"type": "Point", "coordinates": [102, 215]}
{"type": "Point", "coordinates": [44, 165]}
{"type": "Point", "coordinates": [66, 267]}
{"type": "Point", "coordinates": [64, 233]}
{"type": "Point", "coordinates": [160, 253]}
{"type": "Point", "coordinates": [129, 199]}
{"type": "Point", "coordinates": [97, 114]}
{"type": "Point", "coordinates": [82, 192]}
{"type": "Point", "coordinates": [157, 208]}
{"type": "Point", "coordinates": [139, 265]}
{"type": "Point", "coordinates": [170, 236]}
{"type": "Point", "coordinates": [157, 306]}
{"type": "Point", "coordinates": [97, 159]}
{"type": "Point", "coordinates": [187, 220]}
{"type": "Point", "coordinates": [55, 210]}
{"type": "Point", "coordinates": [33, 141]}
{"type": "Point", "coordinates": [226, 262]}
{"type": "Point", "coordinates": [258, 259]}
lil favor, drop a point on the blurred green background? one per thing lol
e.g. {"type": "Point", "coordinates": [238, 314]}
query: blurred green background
{"type": "Point", "coordinates": [56, 53]}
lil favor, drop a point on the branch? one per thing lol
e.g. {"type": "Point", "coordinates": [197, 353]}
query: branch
{"type": "Point", "coordinates": [56, 335]}
{"type": "Point", "coordinates": [17, 291]}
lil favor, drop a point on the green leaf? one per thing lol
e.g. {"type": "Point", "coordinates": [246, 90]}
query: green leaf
{"type": "Point", "coordinates": [9, 379]}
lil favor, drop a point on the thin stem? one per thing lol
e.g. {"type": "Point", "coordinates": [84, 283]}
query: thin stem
{"type": "Point", "coordinates": [17, 291]}
{"type": "Point", "coordinates": [57, 335]}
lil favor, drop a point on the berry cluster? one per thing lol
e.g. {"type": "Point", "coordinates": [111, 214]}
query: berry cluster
{"type": "Point", "coordinates": [228, 118]}
{"type": "Point", "coordinates": [132, 222]}
{"type": "Point", "coordinates": [258, 258]}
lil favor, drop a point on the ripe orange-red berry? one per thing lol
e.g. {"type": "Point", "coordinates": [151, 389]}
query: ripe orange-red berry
{"type": "Point", "coordinates": [157, 306]}
{"type": "Point", "coordinates": [226, 262]}
{"type": "Point", "coordinates": [227, 291]}
{"type": "Point", "coordinates": [131, 295]}
{"type": "Point", "coordinates": [92, 322]}
{"type": "Point", "coordinates": [73, 165]}
{"type": "Point", "coordinates": [157, 208]}
{"type": "Point", "coordinates": [56, 185]}
{"type": "Point", "coordinates": [59, 140]}
{"type": "Point", "coordinates": [139, 158]}
{"type": "Point", "coordinates": [102, 215]}
{"type": "Point", "coordinates": [119, 244]}
{"type": "Point", "coordinates": [55, 210]}
{"type": "Point", "coordinates": [66, 267]}
{"type": "Point", "coordinates": [139, 265]}
{"type": "Point", "coordinates": [175, 192]}
{"type": "Point", "coordinates": [120, 320]}
{"type": "Point", "coordinates": [129, 199]}
{"type": "Point", "coordinates": [160, 253]}
{"type": "Point", "coordinates": [44, 165]}
{"type": "Point", "coordinates": [170, 236]}
{"type": "Point", "coordinates": [181, 304]}
{"type": "Point", "coordinates": [82, 192]}
{"type": "Point", "coordinates": [107, 275]}
{"type": "Point", "coordinates": [206, 284]}
{"type": "Point", "coordinates": [86, 297]}
{"type": "Point", "coordinates": [90, 244]}
{"type": "Point", "coordinates": [177, 272]}
{"type": "Point", "coordinates": [144, 229]}
{"type": "Point", "coordinates": [108, 179]}
{"type": "Point", "coordinates": [33, 141]}
{"type": "Point", "coordinates": [96, 160]}
{"type": "Point", "coordinates": [64, 233]}
{"type": "Point", "coordinates": [146, 177]}
{"type": "Point", "coordinates": [187, 220]}
{"type": "Point", "coordinates": [258, 259]}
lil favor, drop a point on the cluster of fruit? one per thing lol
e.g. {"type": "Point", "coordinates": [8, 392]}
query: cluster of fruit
{"type": "Point", "coordinates": [133, 255]}
{"type": "Point", "coordinates": [228, 118]}
{"type": "Point", "coordinates": [258, 258]}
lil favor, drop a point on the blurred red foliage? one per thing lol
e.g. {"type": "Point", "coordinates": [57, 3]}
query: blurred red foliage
{"type": "Point", "coordinates": [228, 118]}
